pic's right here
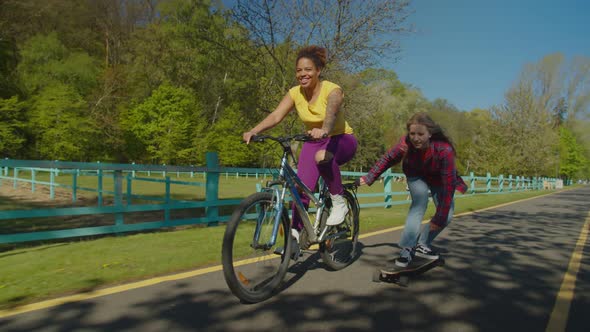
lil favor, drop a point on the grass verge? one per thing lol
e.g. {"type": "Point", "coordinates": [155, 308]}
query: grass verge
{"type": "Point", "coordinates": [36, 273]}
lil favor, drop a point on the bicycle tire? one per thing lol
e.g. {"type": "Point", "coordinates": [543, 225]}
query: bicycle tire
{"type": "Point", "coordinates": [338, 253]}
{"type": "Point", "coordinates": [254, 273]}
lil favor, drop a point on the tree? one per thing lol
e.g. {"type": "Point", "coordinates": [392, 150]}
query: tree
{"type": "Point", "coordinates": [355, 33]}
{"type": "Point", "coordinates": [226, 138]}
{"type": "Point", "coordinates": [524, 124]}
{"type": "Point", "coordinates": [60, 125]}
{"type": "Point", "coordinates": [161, 125]}
{"type": "Point", "coordinates": [559, 113]}
{"type": "Point", "coordinates": [8, 62]}
{"type": "Point", "coordinates": [572, 160]}
{"type": "Point", "coordinates": [46, 61]}
{"type": "Point", "coordinates": [553, 78]}
{"type": "Point", "coordinates": [13, 123]}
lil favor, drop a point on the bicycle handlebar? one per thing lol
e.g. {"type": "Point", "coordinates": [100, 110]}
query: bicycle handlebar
{"type": "Point", "coordinates": [282, 139]}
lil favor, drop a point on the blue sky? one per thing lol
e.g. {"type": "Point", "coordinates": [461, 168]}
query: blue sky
{"type": "Point", "coordinates": [470, 52]}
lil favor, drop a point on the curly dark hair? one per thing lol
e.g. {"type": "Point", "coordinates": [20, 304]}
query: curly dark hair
{"type": "Point", "coordinates": [315, 53]}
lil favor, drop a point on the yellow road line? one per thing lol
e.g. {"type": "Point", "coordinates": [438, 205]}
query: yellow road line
{"type": "Point", "coordinates": [560, 313]}
{"type": "Point", "coordinates": [105, 291]}
{"type": "Point", "coordinates": [178, 276]}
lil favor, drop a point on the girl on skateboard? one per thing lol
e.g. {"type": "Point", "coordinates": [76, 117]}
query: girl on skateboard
{"type": "Point", "coordinates": [428, 161]}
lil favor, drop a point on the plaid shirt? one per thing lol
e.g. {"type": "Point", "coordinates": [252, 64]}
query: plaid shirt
{"type": "Point", "coordinates": [436, 168]}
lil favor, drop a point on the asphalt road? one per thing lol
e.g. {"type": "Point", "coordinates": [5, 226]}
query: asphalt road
{"type": "Point", "coordinates": [505, 271]}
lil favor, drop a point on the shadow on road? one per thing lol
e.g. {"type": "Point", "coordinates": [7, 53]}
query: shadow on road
{"type": "Point", "coordinates": [504, 268]}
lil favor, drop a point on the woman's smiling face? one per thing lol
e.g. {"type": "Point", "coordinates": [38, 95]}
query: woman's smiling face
{"type": "Point", "coordinates": [307, 73]}
{"type": "Point", "coordinates": [419, 136]}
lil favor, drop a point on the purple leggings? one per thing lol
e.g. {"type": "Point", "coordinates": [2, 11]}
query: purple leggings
{"type": "Point", "coordinates": [342, 147]}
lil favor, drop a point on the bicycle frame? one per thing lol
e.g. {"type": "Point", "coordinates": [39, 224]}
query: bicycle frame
{"type": "Point", "coordinates": [288, 179]}
{"type": "Point", "coordinates": [293, 182]}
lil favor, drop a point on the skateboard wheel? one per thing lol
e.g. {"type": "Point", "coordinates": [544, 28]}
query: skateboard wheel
{"type": "Point", "coordinates": [404, 281]}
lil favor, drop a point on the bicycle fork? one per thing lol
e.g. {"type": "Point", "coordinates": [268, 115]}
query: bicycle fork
{"type": "Point", "coordinates": [263, 212]}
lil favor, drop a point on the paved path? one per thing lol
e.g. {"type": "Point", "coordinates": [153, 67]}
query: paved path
{"type": "Point", "coordinates": [505, 271]}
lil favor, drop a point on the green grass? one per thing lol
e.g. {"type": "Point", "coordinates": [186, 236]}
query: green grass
{"type": "Point", "coordinates": [30, 274]}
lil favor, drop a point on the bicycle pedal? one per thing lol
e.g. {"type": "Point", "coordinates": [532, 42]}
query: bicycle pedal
{"type": "Point", "coordinates": [279, 251]}
{"type": "Point", "coordinates": [295, 256]}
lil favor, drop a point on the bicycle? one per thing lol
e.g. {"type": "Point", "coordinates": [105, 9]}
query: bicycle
{"type": "Point", "coordinates": [257, 244]}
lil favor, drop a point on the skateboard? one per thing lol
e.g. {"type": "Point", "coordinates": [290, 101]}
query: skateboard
{"type": "Point", "coordinates": [401, 275]}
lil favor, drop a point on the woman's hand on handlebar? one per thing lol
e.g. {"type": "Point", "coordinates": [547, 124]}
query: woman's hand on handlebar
{"type": "Point", "coordinates": [247, 136]}
{"type": "Point", "coordinates": [318, 133]}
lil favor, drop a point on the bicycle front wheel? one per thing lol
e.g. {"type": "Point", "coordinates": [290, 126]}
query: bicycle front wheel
{"type": "Point", "coordinates": [256, 248]}
{"type": "Point", "coordinates": [340, 247]}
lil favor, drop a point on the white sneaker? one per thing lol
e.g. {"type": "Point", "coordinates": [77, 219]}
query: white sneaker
{"type": "Point", "coordinates": [295, 234]}
{"type": "Point", "coordinates": [339, 210]}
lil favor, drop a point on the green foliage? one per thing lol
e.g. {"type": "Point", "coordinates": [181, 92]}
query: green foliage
{"type": "Point", "coordinates": [8, 61]}
{"type": "Point", "coordinates": [225, 137]}
{"type": "Point", "coordinates": [162, 124]}
{"type": "Point", "coordinates": [165, 81]}
{"type": "Point", "coordinates": [38, 55]}
{"type": "Point", "coordinates": [572, 160]}
{"type": "Point", "coordinates": [13, 123]}
{"type": "Point", "coordinates": [46, 61]}
{"type": "Point", "coordinates": [60, 124]}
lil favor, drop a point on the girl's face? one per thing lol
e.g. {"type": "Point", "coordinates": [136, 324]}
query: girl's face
{"type": "Point", "coordinates": [307, 73]}
{"type": "Point", "coordinates": [419, 136]}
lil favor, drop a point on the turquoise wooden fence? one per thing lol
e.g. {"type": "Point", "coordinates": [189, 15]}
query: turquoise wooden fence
{"type": "Point", "coordinates": [132, 174]}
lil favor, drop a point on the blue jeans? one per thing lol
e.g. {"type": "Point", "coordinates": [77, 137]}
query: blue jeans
{"type": "Point", "coordinates": [412, 233]}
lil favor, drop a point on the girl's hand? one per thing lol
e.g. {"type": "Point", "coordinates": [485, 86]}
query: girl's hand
{"type": "Point", "coordinates": [318, 133]}
{"type": "Point", "coordinates": [434, 227]}
{"type": "Point", "coordinates": [360, 181]}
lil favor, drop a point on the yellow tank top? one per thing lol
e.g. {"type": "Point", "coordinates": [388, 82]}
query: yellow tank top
{"type": "Point", "coordinates": [313, 114]}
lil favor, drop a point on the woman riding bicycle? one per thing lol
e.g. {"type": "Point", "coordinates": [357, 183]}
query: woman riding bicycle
{"type": "Point", "coordinates": [317, 103]}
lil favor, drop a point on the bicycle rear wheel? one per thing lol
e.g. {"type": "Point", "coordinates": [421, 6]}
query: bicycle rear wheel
{"type": "Point", "coordinates": [340, 247]}
{"type": "Point", "coordinates": [253, 264]}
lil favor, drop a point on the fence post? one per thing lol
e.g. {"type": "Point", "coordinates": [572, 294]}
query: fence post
{"type": "Point", "coordinates": [33, 173]}
{"type": "Point", "coordinates": [472, 182]}
{"type": "Point", "coordinates": [75, 186]}
{"type": "Point", "coordinates": [501, 183]}
{"type": "Point", "coordinates": [212, 185]}
{"type": "Point", "coordinates": [15, 177]}
{"type": "Point", "coordinates": [510, 182]}
{"type": "Point", "coordinates": [488, 182]}
{"type": "Point", "coordinates": [52, 183]}
{"type": "Point", "coordinates": [129, 179]}
{"type": "Point", "coordinates": [118, 179]}
{"type": "Point", "coordinates": [99, 187]}
{"type": "Point", "coordinates": [387, 178]}
{"type": "Point", "coordinates": [167, 201]}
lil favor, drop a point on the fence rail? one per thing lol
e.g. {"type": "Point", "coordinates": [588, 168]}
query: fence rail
{"type": "Point", "coordinates": [12, 171]}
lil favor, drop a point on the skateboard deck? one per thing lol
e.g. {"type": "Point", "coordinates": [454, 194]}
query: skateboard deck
{"type": "Point", "coordinates": [401, 275]}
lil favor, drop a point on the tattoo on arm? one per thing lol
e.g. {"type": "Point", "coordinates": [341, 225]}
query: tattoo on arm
{"type": "Point", "coordinates": [332, 108]}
